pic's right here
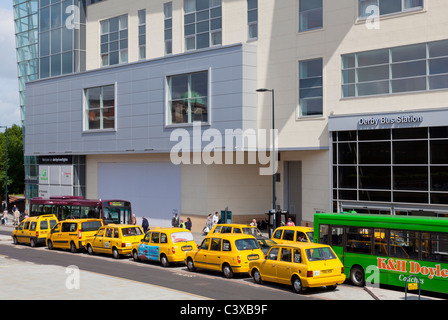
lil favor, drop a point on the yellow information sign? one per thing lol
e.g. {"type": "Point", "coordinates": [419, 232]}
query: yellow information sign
{"type": "Point", "coordinates": [412, 286]}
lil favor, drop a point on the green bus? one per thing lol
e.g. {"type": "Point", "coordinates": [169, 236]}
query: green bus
{"type": "Point", "coordinates": [391, 250]}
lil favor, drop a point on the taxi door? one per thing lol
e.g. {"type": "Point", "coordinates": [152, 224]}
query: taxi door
{"type": "Point", "coordinates": [56, 236]}
{"type": "Point", "coordinates": [108, 240]}
{"type": "Point", "coordinates": [20, 235]}
{"type": "Point", "coordinates": [200, 257]}
{"type": "Point", "coordinates": [97, 242]}
{"type": "Point", "coordinates": [154, 246]}
{"type": "Point", "coordinates": [268, 266]}
{"type": "Point", "coordinates": [143, 247]}
{"type": "Point", "coordinates": [284, 266]}
{"type": "Point", "coordinates": [213, 259]}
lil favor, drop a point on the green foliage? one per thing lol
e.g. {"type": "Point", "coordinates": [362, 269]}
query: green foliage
{"type": "Point", "coordinates": [16, 172]}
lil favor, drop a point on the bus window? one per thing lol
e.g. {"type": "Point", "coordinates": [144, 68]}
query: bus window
{"type": "Point", "coordinates": [403, 244]}
{"type": "Point", "coordinates": [323, 234]}
{"type": "Point", "coordinates": [435, 246]}
{"type": "Point", "coordinates": [380, 243]}
{"type": "Point", "coordinates": [359, 240]}
{"type": "Point", "coordinates": [336, 236]}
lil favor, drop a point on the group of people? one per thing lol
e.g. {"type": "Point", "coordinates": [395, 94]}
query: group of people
{"type": "Point", "coordinates": [15, 213]}
{"type": "Point", "coordinates": [211, 221]}
{"type": "Point", "coordinates": [177, 222]}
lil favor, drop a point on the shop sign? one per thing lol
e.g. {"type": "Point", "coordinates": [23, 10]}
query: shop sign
{"type": "Point", "coordinates": [383, 120]}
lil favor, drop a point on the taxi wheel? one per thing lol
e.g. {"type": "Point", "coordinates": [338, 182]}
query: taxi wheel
{"type": "Point", "coordinates": [89, 249]}
{"type": "Point", "coordinates": [32, 242]}
{"type": "Point", "coordinates": [115, 253]}
{"type": "Point", "coordinates": [257, 276]}
{"type": "Point", "coordinates": [227, 270]}
{"type": "Point", "coordinates": [50, 245]}
{"type": "Point", "coordinates": [297, 285]}
{"type": "Point", "coordinates": [135, 256]}
{"type": "Point", "coordinates": [73, 247]}
{"type": "Point", "coordinates": [357, 276]}
{"type": "Point", "coordinates": [15, 241]}
{"type": "Point", "coordinates": [190, 265]}
{"type": "Point", "coordinates": [164, 261]}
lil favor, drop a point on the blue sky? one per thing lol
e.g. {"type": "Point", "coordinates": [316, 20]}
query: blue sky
{"type": "Point", "coordinates": [9, 88]}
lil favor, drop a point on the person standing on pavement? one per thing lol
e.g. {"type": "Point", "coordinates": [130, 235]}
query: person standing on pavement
{"type": "Point", "coordinates": [145, 224]}
{"type": "Point", "coordinates": [5, 216]}
{"type": "Point", "coordinates": [215, 218]}
{"type": "Point", "coordinates": [188, 224]}
{"type": "Point", "coordinates": [175, 221]}
{"type": "Point", "coordinates": [16, 216]}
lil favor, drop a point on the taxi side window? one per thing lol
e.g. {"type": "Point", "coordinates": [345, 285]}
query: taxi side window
{"type": "Point", "coordinates": [286, 255]}
{"type": "Point", "coordinates": [33, 226]}
{"type": "Point", "coordinates": [216, 244]}
{"type": "Point", "coordinates": [205, 243]}
{"type": "Point", "coordinates": [163, 238]}
{"type": "Point", "coordinates": [297, 256]}
{"type": "Point", "coordinates": [273, 254]}
{"type": "Point", "coordinates": [288, 235]}
{"type": "Point", "coordinates": [100, 233]}
{"type": "Point", "coordinates": [116, 235]}
{"type": "Point", "coordinates": [155, 237]}
{"type": "Point", "coordinates": [67, 227]}
{"type": "Point", "coordinates": [226, 245]}
{"type": "Point", "coordinates": [56, 229]}
{"type": "Point", "coordinates": [44, 225]}
{"type": "Point", "coordinates": [217, 229]}
{"type": "Point", "coordinates": [226, 230]}
{"type": "Point", "coordinates": [26, 226]}
{"type": "Point", "coordinates": [21, 225]}
{"type": "Point", "coordinates": [236, 230]}
{"type": "Point", "coordinates": [301, 237]}
{"type": "Point", "coordinates": [108, 233]}
{"type": "Point", "coordinates": [278, 234]}
{"type": "Point", "coordinates": [147, 237]}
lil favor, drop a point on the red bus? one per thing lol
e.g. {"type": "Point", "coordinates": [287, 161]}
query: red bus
{"type": "Point", "coordinates": [76, 207]}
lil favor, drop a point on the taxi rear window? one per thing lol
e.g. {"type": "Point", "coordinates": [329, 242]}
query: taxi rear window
{"type": "Point", "coordinates": [132, 231]}
{"type": "Point", "coordinates": [316, 254]}
{"type": "Point", "coordinates": [91, 225]}
{"type": "Point", "coordinates": [181, 237]}
{"type": "Point", "coordinates": [246, 244]}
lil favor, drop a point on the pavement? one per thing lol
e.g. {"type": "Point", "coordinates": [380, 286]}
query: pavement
{"type": "Point", "coordinates": [21, 280]}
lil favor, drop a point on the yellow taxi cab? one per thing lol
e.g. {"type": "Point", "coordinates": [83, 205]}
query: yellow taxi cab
{"type": "Point", "coordinates": [34, 230]}
{"type": "Point", "coordinates": [72, 233]}
{"type": "Point", "coordinates": [292, 234]}
{"type": "Point", "coordinates": [235, 228]}
{"type": "Point", "coordinates": [167, 245]}
{"type": "Point", "coordinates": [115, 239]}
{"type": "Point", "coordinates": [229, 253]}
{"type": "Point", "coordinates": [302, 265]}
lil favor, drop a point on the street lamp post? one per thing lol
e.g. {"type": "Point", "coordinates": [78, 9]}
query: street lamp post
{"type": "Point", "coordinates": [274, 207]}
{"type": "Point", "coordinates": [6, 166]}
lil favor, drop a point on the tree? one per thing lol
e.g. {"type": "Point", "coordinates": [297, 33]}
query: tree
{"type": "Point", "coordinates": [16, 172]}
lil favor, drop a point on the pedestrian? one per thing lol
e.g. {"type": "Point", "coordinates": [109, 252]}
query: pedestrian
{"type": "Point", "coordinates": [215, 218]}
{"type": "Point", "coordinates": [145, 224]}
{"type": "Point", "coordinates": [175, 221]}
{"type": "Point", "coordinates": [290, 222]}
{"type": "Point", "coordinates": [254, 223]}
{"type": "Point", "coordinates": [188, 224]}
{"type": "Point", "coordinates": [133, 220]}
{"type": "Point", "coordinates": [182, 224]}
{"type": "Point", "coordinates": [16, 217]}
{"type": "Point", "coordinates": [5, 216]}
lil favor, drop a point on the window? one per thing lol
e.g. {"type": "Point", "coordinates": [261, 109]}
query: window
{"type": "Point", "coordinates": [252, 19]}
{"type": "Point", "coordinates": [435, 246]}
{"type": "Point", "coordinates": [404, 244]}
{"type": "Point", "coordinates": [311, 88]}
{"type": "Point", "coordinates": [288, 235]}
{"type": "Point", "coordinates": [100, 108]}
{"type": "Point", "coordinates": [142, 34]}
{"type": "Point", "coordinates": [155, 237]}
{"type": "Point", "coordinates": [273, 254]}
{"type": "Point", "coordinates": [114, 41]}
{"type": "Point", "coordinates": [286, 255]}
{"type": "Point", "coordinates": [417, 67]}
{"type": "Point", "coordinates": [359, 240]}
{"type": "Point", "coordinates": [226, 245]}
{"type": "Point", "coordinates": [202, 23]}
{"type": "Point", "coordinates": [388, 6]}
{"type": "Point", "coordinates": [216, 244]}
{"type": "Point", "coordinates": [205, 243]}
{"type": "Point", "coordinates": [310, 15]}
{"type": "Point", "coordinates": [168, 27]}
{"type": "Point", "coordinates": [188, 98]}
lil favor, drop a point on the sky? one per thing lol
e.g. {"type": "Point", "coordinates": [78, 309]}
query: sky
{"type": "Point", "coordinates": [9, 86]}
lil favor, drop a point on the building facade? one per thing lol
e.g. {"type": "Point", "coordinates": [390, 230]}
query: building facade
{"type": "Point", "coordinates": [166, 113]}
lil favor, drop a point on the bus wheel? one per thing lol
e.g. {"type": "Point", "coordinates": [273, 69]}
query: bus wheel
{"type": "Point", "coordinates": [357, 276]}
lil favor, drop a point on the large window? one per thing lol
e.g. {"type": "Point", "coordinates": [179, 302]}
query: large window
{"type": "Point", "coordinates": [407, 165]}
{"type": "Point", "coordinates": [252, 19]}
{"type": "Point", "coordinates": [388, 6]}
{"type": "Point", "coordinates": [188, 98]}
{"type": "Point", "coordinates": [100, 108]}
{"type": "Point", "coordinates": [202, 23]}
{"type": "Point", "coordinates": [310, 15]}
{"type": "Point", "coordinates": [417, 67]}
{"type": "Point", "coordinates": [114, 41]}
{"type": "Point", "coordinates": [311, 87]}
{"type": "Point", "coordinates": [168, 27]}
{"type": "Point", "coordinates": [142, 34]}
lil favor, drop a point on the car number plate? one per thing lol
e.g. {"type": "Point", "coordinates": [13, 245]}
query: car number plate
{"type": "Point", "coordinates": [187, 248]}
{"type": "Point", "coordinates": [128, 244]}
{"type": "Point", "coordinates": [317, 273]}
{"type": "Point", "coordinates": [253, 257]}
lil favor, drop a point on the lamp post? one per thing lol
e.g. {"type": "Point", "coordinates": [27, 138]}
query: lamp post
{"type": "Point", "coordinates": [6, 166]}
{"type": "Point", "coordinates": [274, 207]}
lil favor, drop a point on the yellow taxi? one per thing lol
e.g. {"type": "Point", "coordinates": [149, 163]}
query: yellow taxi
{"type": "Point", "coordinates": [72, 233]}
{"type": "Point", "coordinates": [292, 234]}
{"type": "Point", "coordinates": [115, 239]}
{"type": "Point", "coordinates": [235, 228]}
{"type": "Point", "coordinates": [229, 253]}
{"type": "Point", "coordinates": [167, 245]}
{"type": "Point", "coordinates": [302, 265]}
{"type": "Point", "coordinates": [34, 230]}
